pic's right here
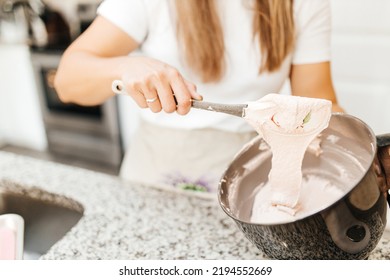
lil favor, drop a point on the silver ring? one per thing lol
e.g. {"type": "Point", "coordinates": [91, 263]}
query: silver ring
{"type": "Point", "coordinates": [151, 100]}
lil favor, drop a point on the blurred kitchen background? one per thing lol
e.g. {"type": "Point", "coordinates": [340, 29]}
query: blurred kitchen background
{"type": "Point", "coordinates": [34, 34]}
{"type": "Point", "coordinates": [33, 121]}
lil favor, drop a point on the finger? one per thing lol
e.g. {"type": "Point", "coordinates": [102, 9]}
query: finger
{"type": "Point", "coordinates": [193, 90]}
{"type": "Point", "coordinates": [387, 165]}
{"type": "Point", "coordinates": [151, 99]}
{"type": "Point", "coordinates": [384, 158]}
{"type": "Point", "coordinates": [182, 94]}
{"type": "Point", "coordinates": [381, 178]}
{"type": "Point", "coordinates": [137, 95]}
{"type": "Point", "coordinates": [167, 99]}
{"type": "Point", "coordinates": [139, 99]}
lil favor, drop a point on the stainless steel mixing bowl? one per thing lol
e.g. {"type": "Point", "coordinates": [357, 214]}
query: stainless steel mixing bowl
{"type": "Point", "coordinates": [348, 228]}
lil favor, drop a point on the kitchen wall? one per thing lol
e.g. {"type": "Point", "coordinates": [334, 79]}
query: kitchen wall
{"type": "Point", "coordinates": [361, 59]}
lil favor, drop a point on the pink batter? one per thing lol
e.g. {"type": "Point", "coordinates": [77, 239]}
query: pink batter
{"type": "Point", "coordinates": [288, 124]}
{"type": "Point", "coordinates": [316, 194]}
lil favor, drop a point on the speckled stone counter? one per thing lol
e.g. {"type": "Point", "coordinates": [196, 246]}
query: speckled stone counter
{"type": "Point", "coordinates": [129, 221]}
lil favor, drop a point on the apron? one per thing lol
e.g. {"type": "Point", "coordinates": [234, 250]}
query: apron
{"type": "Point", "coordinates": [184, 159]}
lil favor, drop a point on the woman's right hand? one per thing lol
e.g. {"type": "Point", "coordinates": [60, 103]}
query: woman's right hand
{"type": "Point", "coordinates": [157, 85]}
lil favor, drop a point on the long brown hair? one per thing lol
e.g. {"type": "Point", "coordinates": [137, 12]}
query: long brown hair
{"type": "Point", "coordinates": [200, 31]}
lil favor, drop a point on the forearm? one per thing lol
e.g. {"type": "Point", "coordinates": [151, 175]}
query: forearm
{"type": "Point", "coordinates": [314, 80]}
{"type": "Point", "coordinates": [85, 79]}
{"type": "Point", "coordinates": [325, 93]}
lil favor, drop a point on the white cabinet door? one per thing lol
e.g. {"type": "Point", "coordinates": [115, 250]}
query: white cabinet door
{"type": "Point", "coordinates": [20, 117]}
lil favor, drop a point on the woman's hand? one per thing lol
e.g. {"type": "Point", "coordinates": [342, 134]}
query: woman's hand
{"type": "Point", "coordinates": [157, 85]}
{"type": "Point", "coordinates": [384, 158]}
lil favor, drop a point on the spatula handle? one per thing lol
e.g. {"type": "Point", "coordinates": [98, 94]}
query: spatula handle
{"type": "Point", "coordinates": [231, 109]}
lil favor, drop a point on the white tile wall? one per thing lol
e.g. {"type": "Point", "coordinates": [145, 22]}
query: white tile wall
{"type": "Point", "coordinates": [361, 60]}
{"type": "Point", "coordinates": [361, 15]}
{"type": "Point", "coordinates": [361, 57]}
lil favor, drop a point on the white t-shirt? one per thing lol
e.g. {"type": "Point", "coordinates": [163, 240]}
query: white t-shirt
{"type": "Point", "coordinates": [150, 22]}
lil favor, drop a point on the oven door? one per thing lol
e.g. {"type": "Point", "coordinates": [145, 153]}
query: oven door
{"type": "Point", "coordinates": [55, 105]}
{"type": "Point", "coordinates": [90, 133]}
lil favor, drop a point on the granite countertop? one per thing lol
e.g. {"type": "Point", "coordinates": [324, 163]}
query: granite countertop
{"type": "Point", "coordinates": [123, 220]}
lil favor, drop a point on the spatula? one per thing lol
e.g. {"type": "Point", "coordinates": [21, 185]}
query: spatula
{"type": "Point", "coordinates": [231, 109]}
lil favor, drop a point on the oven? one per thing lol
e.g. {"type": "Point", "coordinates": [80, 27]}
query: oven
{"type": "Point", "coordinates": [87, 133]}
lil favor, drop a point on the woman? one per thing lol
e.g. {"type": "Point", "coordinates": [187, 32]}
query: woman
{"type": "Point", "coordinates": [224, 51]}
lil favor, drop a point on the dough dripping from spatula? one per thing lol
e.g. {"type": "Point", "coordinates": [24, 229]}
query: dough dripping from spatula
{"type": "Point", "coordinates": [288, 124]}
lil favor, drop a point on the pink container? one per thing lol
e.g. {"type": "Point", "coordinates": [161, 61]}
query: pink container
{"type": "Point", "coordinates": [11, 237]}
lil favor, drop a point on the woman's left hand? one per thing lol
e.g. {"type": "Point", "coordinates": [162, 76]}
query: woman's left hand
{"type": "Point", "coordinates": [384, 158]}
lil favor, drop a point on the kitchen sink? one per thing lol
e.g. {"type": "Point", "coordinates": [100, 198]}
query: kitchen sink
{"type": "Point", "coordinates": [47, 217]}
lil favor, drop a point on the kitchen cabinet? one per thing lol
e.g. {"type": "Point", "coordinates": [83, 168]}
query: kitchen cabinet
{"type": "Point", "coordinates": [20, 118]}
